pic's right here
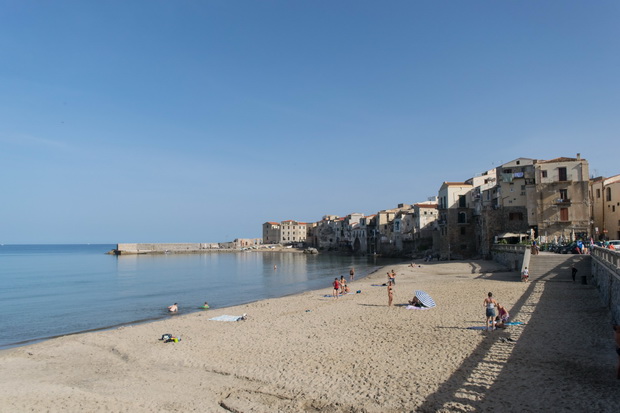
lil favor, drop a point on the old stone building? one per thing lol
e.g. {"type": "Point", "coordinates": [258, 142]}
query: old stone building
{"type": "Point", "coordinates": [562, 199]}
{"type": "Point", "coordinates": [456, 230]}
{"type": "Point", "coordinates": [605, 201]}
{"type": "Point", "coordinates": [292, 232]}
{"type": "Point", "coordinates": [271, 233]}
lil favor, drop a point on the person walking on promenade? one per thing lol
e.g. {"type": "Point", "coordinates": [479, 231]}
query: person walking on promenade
{"type": "Point", "coordinates": [390, 292]}
{"type": "Point", "coordinates": [336, 287]}
{"type": "Point", "coordinates": [351, 274]}
{"type": "Point", "coordinates": [574, 272]}
{"type": "Point", "coordinates": [490, 304]}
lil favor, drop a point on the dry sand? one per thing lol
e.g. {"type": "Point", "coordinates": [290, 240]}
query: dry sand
{"type": "Point", "coordinates": [354, 354]}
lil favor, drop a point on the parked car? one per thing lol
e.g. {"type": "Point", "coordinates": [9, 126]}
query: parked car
{"type": "Point", "coordinates": [570, 249]}
{"type": "Point", "coordinates": [615, 243]}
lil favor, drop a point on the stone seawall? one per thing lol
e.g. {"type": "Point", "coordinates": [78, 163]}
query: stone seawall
{"type": "Point", "coordinates": [606, 277]}
{"type": "Point", "coordinates": [169, 248]}
{"type": "Point", "coordinates": [515, 257]}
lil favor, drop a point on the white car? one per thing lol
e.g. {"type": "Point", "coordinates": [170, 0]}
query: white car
{"type": "Point", "coordinates": [615, 243]}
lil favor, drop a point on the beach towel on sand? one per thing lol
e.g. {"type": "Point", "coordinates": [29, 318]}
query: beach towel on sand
{"type": "Point", "coordinates": [229, 318]}
{"type": "Point", "coordinates": [512, 323]}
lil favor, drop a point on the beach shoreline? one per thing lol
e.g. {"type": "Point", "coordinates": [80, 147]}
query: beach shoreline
{"type": "Point", "coordinates": [311, 352]}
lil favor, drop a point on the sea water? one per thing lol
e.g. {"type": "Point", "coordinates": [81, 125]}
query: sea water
{"type": "Point", "coordinates": [52, 290]}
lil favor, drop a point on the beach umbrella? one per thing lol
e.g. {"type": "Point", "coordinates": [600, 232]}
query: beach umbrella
{"type": "Point", "coordinates": [425, 299]}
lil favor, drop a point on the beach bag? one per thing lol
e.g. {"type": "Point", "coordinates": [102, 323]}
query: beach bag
{"type": "Point", "coordinates": [166, 337]}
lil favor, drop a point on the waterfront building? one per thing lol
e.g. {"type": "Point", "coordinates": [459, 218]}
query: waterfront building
{"type": "Point", "coordinates": [247, 242]}
{"type": "Point", "coordinates": [424, 224]}
{"type": "Point", "coordinates": [326, 233]}
{"type": "Point", "coordinates": [605, 201]}
{"type": "Point", "coordinates": [562, 194]}
{"type": "Point", "coordinates": [292, 232]}
{"type": "Point", "coordinates": [271, 233]}
{"type": "Point", "coordinates": [455, 235]}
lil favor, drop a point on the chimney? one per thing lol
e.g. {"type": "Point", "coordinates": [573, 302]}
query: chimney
{"type": "Point", "coordinates": [578, 156]}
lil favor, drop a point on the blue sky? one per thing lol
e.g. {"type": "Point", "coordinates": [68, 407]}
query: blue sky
{"type": "Point", "coordinates": [197, 121]}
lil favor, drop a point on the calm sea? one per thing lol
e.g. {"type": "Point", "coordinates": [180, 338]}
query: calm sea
{"type": "Point", "coordinates": [52, 290]}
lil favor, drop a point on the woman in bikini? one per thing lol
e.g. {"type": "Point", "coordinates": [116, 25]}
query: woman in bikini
{"type": "Point", "coordinates": [490, 304]}
{"type": "Point", "coordinates": [390, 292]}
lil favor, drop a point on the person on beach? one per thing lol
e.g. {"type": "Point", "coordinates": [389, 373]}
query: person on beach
{"type": "Point", "coordinates": [351, 274]}
{"type": "Point", "coordinates": [390, 292]}
{"type": "Point", "coordinates": [336, 287]}
{"type": "Point", "coordinates": [573, 272]}
{"type": "Point", "coordinates": [173, 308]}
{"type": "Point", "coordinates": [490, 304]}
{"type": "Point", "coordinates": [343, 285]}
{"type": "Point", "coordinates": [415, 301]}
{"type": "Point", "coordinates": [525, 275]}
{"type": "Point", "coordinates": [391, 277]}
{"type": "Point", "coordinates": [502, 317]}
{"type": "Point", "coordinates": [617, 337]}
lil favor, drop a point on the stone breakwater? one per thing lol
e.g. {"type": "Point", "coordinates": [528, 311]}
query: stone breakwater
{"type": "Point", "coordinates": [190, 248]}
{"type": "Point", "coordinates": [169, 248]}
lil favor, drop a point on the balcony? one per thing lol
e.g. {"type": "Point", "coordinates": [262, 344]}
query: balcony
{"type": "Point", "coordinates": [562, 201]}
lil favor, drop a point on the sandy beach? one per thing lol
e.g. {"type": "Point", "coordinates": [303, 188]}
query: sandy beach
{"type": "Point", "coordinates": [311, 353]}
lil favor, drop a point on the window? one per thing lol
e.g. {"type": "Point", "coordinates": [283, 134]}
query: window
{"type": "Point", "coordinates": [563, 214]}
{"type": "Point", "coordinates": [598, 193]}
{"type": "Point", "coordinates": [608, 194]}
{"type": "Point", "coordinates": [562, 174]}
{"type": "Point", "coordinates": [462, 201]}
{"type": "Point", "coordinates": [544, 174]}
{"type": "Point", "coordinates": [564, 194]}
{"type": "Point", "coordinates": [462, 218]}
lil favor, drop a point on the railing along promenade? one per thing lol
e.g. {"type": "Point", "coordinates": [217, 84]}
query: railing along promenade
{"type": "Point", "coordinates": [514, 256]}
{"type": "Point", "coordinates": [606, 277]}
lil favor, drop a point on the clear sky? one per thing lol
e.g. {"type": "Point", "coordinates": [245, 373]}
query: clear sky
{"type": "Point", "coordinates": [197, 121]}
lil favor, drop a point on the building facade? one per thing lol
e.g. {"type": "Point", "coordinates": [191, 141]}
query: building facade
{"type": "Point", "coordinates": [563, 200]}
